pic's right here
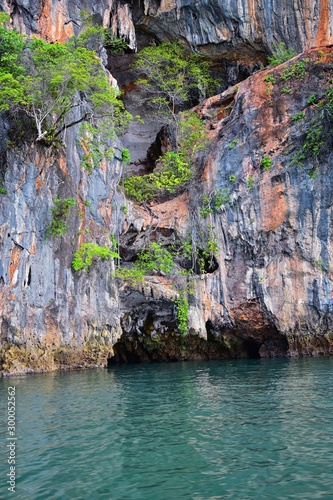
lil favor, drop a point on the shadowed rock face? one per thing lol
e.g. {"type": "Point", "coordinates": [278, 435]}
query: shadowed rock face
{"type": "Point", "coordinates": [237, 30]}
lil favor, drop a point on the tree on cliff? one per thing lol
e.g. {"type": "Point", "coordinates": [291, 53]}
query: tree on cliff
{"type": "Point", "coordinates": [172, 80]}
{"type": "Point", "coordinates": [57, 85]}
{"type": "Point", "coordinates": [11, 47]}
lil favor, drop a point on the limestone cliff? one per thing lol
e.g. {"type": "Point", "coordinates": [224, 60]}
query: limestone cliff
{"type": "Point", "coordinates": [236, 35]}
{"type": "Point", "coordinates": [269, 292]}
{"type": "Point", "coordinates": [42, 302]}
{"type": "Point", "coordinates": [272, 292]}
{"type": "Point", "coordinates": [230, 24]}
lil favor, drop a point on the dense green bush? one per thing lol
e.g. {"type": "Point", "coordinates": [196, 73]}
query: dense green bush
{"type": "Point", "coordinates": [47, 82]}
{"type": "Point", "coordinates": [58, 225]}
{"type": "Point", "coordinates": [175, 169]}
{"type": "Point", "coordinates": [266, 162]}
{"type": "Point", "coordinates": [87, 252]}
{"type": "Point", "coordinates": [175, 172]}
{"type": "Point", "coordinates": [281, 54]}
{"type": "Point", "coordinates": [182, 308]}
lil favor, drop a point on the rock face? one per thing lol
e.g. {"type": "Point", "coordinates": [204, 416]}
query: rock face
{"type": "Point", "coordinates": [268, 290]}
{"type": "Point", "coordinates": [59, 20]}
{"type": "Point", "coordinates": [275, 231]}
{"type": "Point", "coordinates": [234, 30]}
{"type": "Point", "coordinates": [271, 294]}
{"type": "Point", "coordinates": [237, 30]}
{"type": "Point", "coordinates": [42, 301]}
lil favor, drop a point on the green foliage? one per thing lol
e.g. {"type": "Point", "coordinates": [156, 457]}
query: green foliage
{"type": "Point", "coordinates": [186, 248]}
{"type": "Point", "coordinates": [212, 202]}
{"type": "Point", "coordinates": [182, 308]}
{"type": "Point", "coordinates": [58, 225]}
{"type": "Point", "coordinates": [298, 158]}
{"type": "Point", "coordinates": [11, 46]}
{"type": "Point", "coordinates": [286, 90]}
{"type": "Point", "coordinates": [114, 242]}
{"type": "Point", "coordinates": [94, 36]}
{"type": "Point", "coordinates": [314, 141]}
{"type": "Point", "coordinates": [233, 144]}
{"type": "Point", "coordinates": [175, 168]}
{"type": "Point", "coordinates": [299, 116]}
{"type": "Point", "coordinates": [174, 174]}
{"type": "Point", "coordinates": [191, 135]}
{"type": "Point", "coordinates": [155, 258]}
{"type": "Point", "coordinates": [172, 77]}
{"type": "Point", "coordinates": [87, 252]}
{"type": "Point", "coordinates": [250, 182]}
{"type": "Point", "coordinates": [221, 197]}
{"type": "Point", "coordinates": [296, 70]}
{"type": "Point", "coordinates": [199, 249]}
{"type": "Point", "coordinates": [281, 54]}
{"type": "Point", "coordinates": [93, 141]}
{"type": "Point", "coordinates": [318, 132]}
{"type": "Point", "coordinates": [158, 259]}
{"type": "Point", "coordinates": [210, 250]}
{"type": "Point", "coordinates": [269, 81]}
{"type": "Point", "coordinates": [125, 155]}
{"type": "Point", "coordinates": [316, 137]}
{"type": "Point", "coordinates": [206, 206]}
{"type": "Point", "coordinates": [114, 44]}
{"type": "Point", "coordinates": [313, 99]}
{"type": "Point", "coordinates": [266, 162]}
{"type": "Point", "coordinates": [232, 178]}
{"type": "Point", "coordinates": [313, 173]}
{"type": "Point", "coordinates": [132, 275]}
{"type": "Point", "coordinates": [53, 81]}
{"type": "Point", "coordinates": [322, 266]}
{"type": "Point", "coordinates": [3, 190]}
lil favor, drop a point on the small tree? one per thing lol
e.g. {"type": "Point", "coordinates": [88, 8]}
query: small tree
{"type": "Point", "coordinates": [58, 86]}
{"type": "Point", "coordinates": [172, 78]}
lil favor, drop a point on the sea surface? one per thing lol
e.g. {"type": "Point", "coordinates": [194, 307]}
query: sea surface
{"type": "Point", "coordinates": [252, 429]}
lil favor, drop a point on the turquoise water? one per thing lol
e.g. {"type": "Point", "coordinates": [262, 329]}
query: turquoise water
{"type": "Point", "coordinates": [255, 429]}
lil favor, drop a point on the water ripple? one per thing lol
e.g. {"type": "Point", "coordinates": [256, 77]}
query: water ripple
{"type": "Point", "coordinates": [257, 429]}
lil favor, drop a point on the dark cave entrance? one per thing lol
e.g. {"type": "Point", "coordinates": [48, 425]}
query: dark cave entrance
{"type": "Point", "coordinates": [252, 349]}
{"type": "Point", "coordinates": [123, 355]}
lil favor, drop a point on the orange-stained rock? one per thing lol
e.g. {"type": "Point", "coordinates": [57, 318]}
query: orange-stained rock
{"type": "Point", "coordinates": [265, 285]}
{"type": "Point", "coordinates": [54, 24]}
{"type": "Point", "coordinates": [14, 261]}
{"type": "Point", "coordinates": [273, 206]}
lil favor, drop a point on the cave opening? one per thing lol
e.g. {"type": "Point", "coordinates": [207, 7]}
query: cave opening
{"type": "Point", "coordinates": [29, 277]}
{"type": "Point", "coordinates": [122, 355]}
{"type": "Point", "coordinates": [210, 330]}
{"type": "Point", "coordinates": [252, 349]}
